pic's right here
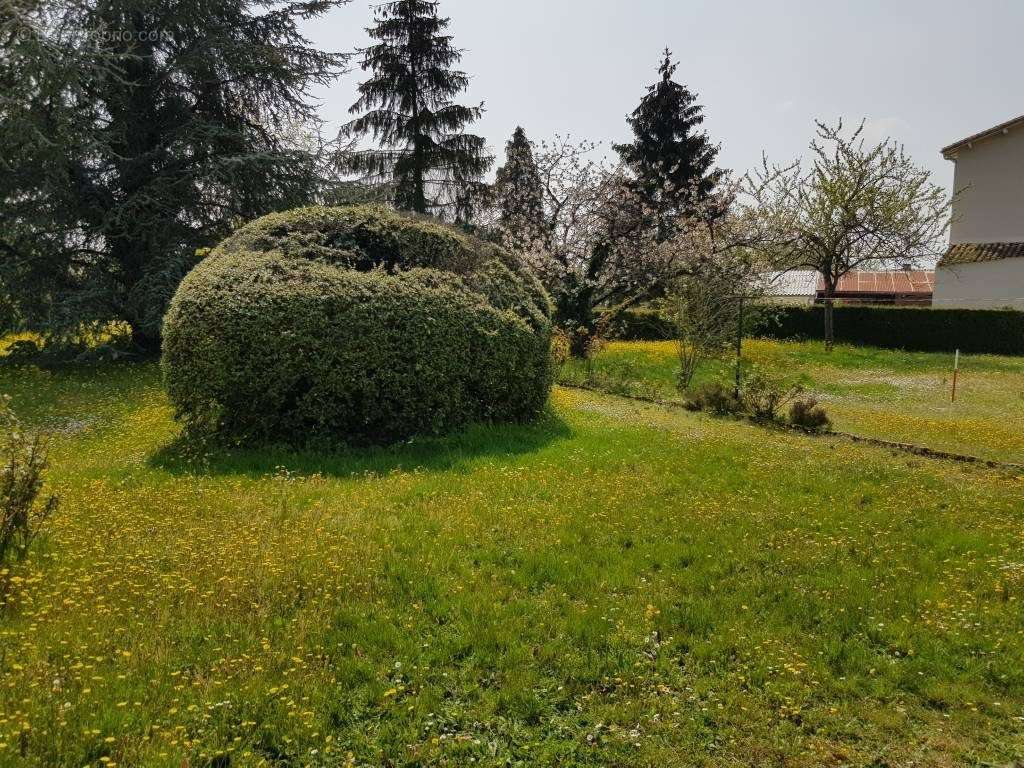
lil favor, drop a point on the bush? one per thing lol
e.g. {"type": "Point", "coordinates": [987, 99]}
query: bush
{"type": "Point", "coordinates": [560, 350]}
{"type": "Point", "coordinates": [974, 331]}
{"type": "Point", "coordinates": [357, 324]}
{"type": "Point", "coordinates": [807, 414]}
{"type": "Point", "coordinates": [714, 397]}
{"type": "Point", "coordinates": [641, 325]}
{"type": "Point", "coordinates": [24, 462]}
{"type": "Point", "coordinates": [765, 394]}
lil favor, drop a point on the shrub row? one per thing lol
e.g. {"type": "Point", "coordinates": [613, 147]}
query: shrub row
{"type": "Point", "coordinates": [976, 331]}
{"type": "Point", "coordinates": [917, 329]}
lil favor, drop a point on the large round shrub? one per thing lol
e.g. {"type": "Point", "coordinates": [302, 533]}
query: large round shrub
{"type": "Point", "coordinates": [355, 323]}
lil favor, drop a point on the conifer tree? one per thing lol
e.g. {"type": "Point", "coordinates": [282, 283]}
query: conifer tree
{"type": "Point", "coordinates": [672, 159]}
{"type": "Point", "coordinates": [134, 133]}
{"type": "Point", "coordinates": [520, 194]}
{"type": "Point", "coordinates": [407, 106]}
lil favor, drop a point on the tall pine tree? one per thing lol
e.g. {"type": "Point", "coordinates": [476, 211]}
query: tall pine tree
{"type": "Point", "coordinates": [520, 195]}
{"type": "Point", "coordinates": [672, 159]}
{"type": "Point", "coordinates": [407, 106]}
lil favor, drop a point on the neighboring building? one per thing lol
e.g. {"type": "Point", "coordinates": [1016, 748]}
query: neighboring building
{"type": "Point", "coordinates": [984, 266]}
{"type": "Point", "coordinates": [798, 286]}
{"type": "Point", "coordinates": [902, 288]}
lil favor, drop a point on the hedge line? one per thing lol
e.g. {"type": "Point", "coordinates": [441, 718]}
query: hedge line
{"type": "Point", "coordinates": [977, 331]}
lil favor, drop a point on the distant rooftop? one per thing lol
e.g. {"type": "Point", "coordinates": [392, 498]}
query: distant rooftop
{"type": "Point", "coordinates": [805, 282]}
{"type": "Point", "coordinates": [902, 281]}
{"type": "Point", "coordinates": [947, 152]}
{"type": "Point", "coordinates": [797, 282]}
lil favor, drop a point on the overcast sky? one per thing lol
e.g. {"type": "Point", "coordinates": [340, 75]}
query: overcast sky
{"type": "Point", "coordinates": [926, 72]}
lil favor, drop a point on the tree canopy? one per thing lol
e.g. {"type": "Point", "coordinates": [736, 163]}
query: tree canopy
{"type": "Point", "coordinates": [858, 205]}
{"type": "Point", "coordinates": [520, 195]}
{"type": "Point", "coordinates": [408, 107]}
{"type": "Point", "coordinates": [672, 159]}
{"type": "Point", "coordinates": [134, 133]}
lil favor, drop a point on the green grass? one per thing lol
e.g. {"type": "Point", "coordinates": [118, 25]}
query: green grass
{"type": "Point", "coordinates": [901, 396]}
{"type": "Point", "coordinates": [621, 584]}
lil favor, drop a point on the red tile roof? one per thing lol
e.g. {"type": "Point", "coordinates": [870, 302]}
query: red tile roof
{"type": "Point", "coordinates": [899, 282]}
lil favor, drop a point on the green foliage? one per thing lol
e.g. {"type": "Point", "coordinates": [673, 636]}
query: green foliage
{"type": "Point", "coordinates": [520, 194]}
{"type": "Point", "coordinates": [808, 414]}
{"type": "Point", "coordinates": [432, 165]}
{"type": "Point", "coordinates": [355, 323]}
{"type": "Point", "coordinates": [765, 392]}
{"type": "Point", "coordinates": [973, 331]}
{"type": "Point", "coordinates": [135, 133]}
{"type": "Point", "coordinates": [22, 512]}
{"type": "Point", "coordinates": [714, 397]}
{"type": "Point", "coordinates": [672, 159]}
{"type": "Point", "coordinates": [641, 325]}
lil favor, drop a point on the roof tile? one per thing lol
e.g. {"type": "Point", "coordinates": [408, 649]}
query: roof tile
{"type": "Point", "coordinates": [975, 253]}
{"type": "Point", "coordinates": [897, 281]}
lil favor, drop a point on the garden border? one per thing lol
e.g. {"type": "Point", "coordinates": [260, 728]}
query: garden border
{"type": "Point", "coordinates": [910, 448]}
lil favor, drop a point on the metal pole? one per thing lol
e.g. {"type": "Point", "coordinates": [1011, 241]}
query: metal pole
{"type": "Point", "coordinates": [739, 347]}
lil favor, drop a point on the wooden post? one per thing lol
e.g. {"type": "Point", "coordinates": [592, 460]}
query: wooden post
{"type": "Point", "coordinates": [956, 371]}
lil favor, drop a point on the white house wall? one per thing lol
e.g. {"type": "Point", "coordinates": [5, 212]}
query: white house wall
{"type": "Point", "coordinates": [990, 180]}
{"type": "Point", "coordinates": [986, 285]}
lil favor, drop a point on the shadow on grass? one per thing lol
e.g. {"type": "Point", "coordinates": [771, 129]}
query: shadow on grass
{"type": "Point", "coordinates": [435, 454]}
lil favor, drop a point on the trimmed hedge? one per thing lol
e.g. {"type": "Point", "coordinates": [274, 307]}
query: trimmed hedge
{"type": "Point", "coordinates": [355, 323]}
{"type": "Point", "coordinates": [976, 331]}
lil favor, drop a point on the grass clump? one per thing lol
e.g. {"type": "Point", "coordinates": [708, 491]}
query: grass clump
{"type": "Point", "coordinates": [807, 413]}
{"type": "Point", "coordinates": [23, 510]}
{"type": "Point", "coordinates": [713, 397]}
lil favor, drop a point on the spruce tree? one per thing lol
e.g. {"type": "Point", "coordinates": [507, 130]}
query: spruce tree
{"type": "Point", "coordinates": [672, 160]}
{"type": "Point", "coordinates": [407, 106]}
{"type": "Point", "coordinates": [520, 195]}
{"type": "Point", "coordinates": [134, 134]}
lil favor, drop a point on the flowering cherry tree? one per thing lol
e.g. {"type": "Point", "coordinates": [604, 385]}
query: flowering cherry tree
{"type": "Point", "coordinates": [601, 249]}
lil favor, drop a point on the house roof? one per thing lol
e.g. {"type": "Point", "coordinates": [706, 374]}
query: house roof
{"type": "Point", "coordinates": [796, 282]}
{"type": "Point", "coordinates": [976, 253]}
{"type": "Point", "coordinates": [901, 282]}
{"type": "Point", "coordinates": [947, 152]}
{"type": "Point", "coordinates": [807, 282]}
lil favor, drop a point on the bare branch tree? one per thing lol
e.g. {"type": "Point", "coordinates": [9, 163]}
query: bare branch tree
{"type": "Point", "coordinates": [857, 206]}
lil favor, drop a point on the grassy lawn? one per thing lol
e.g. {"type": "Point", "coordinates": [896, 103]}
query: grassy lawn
{"type": "Point", "coordinates": [621, 584]}
{"type": "Point", "coordinates": [901, 396]}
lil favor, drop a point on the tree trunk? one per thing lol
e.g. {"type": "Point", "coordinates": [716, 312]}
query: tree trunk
{"type": "Point", "coordinates": [576, 315]}
{"type": "Point", "coordinates": [829, 317]}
